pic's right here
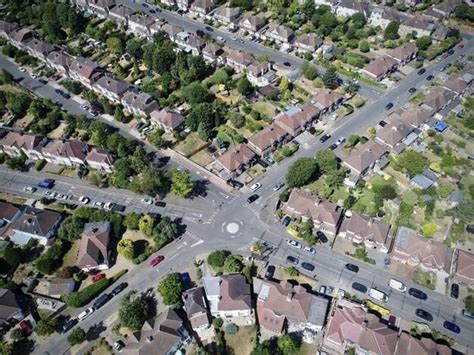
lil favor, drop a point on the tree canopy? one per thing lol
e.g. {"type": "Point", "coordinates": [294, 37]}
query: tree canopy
{"type": "Point", "coordinates": [171, 289]}
{"type": "Point", "coordinates": [302, 172]}
{"type": "Point", "coordinates": [135, 309]}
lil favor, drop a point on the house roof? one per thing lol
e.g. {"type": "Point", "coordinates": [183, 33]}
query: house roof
{"type": "Point", "coordinates": [66, 149]}
{"type": "Point", "coordinates": [456, 85]}
{"type": "Point", "coordinates": [104, 4]}
{"type": "Point", "coordinates": [85, 68]}
{"type": "Point", "coordinates": [142, 19]}
{"type": "Point", "coordinates": [356, 5]}
{"type": "Point", "coordinates": [36, 221]}
{"type": "Point", "coordinates": [141, 101]}
{"type": "Point", "coordinates": [240, 57]}
{"type": "Point", "coordinates": [419, 22]}
{"type": "Point", "coordinates": [280, 30]}
{"type": "Point", "coordinates": [94, 247]}
{"type": "Point", "coordinates": [227, 12]}
{"type": "Point", "coordinates": [22, 34]}
{"type": "Point", "coordinates": [100, 155]}
{"type": "Point", "coordinates": [7, 27]}
{"type": "Point", "coordinates": [212, 49]}
{"type": "Point", "coordinates": [122, 11]}
{"type": "Point", "coordinates": [8, 211]}
{"type": "Point", "coordinates": [464, 266]}
{"type": "Point", "coordinates": [393, 134]}
{"type": "Point", "coordinates": [255, 21]}
{"type": "Point", "coordinates": [196, 307]}
{"type": "Point", "coordinates": [202, 4]}
{"type": "Point", "coordinates": [267, 136]}
{"type": "Point", "coordinates": [171, 30]}
{"type": "Point", "coordinates": [408, 345]}
{"type": "Point", "coordinates": [112, 84]}
{"type": "Point", "coordinates": [40, 46]}
{"type": "Point", "coordinates": [325, 98]}
{"type": "Point", "coordinates": [22, 140]}
{"type": "Point", "coordinates": [309, 39]}
{"type": "Point", "coordinates": [362, 156]}
{"type": "Point", "coordinates": [8, 304]}
{"type": "Point", "coordinates": [414, 117]}
{"type": "Point", "coordinates": [380, 66]}
{"type": "Point", "coordinates": [60, 58]}
{"type": "Point", "coordinates": [438, 98]}
{"type": "Point", "coordinates": [234, 293]}
{"type": "Point", "coordinates": [367, 228]}
{"type": "Point", "coordinates": [236, 157]}
{"type": "Point", "coordinates": [167, 118]}
{"type": "Point", "coordinates": [422, 181]}
{"type": "Point", "coordinates": [403, 51]}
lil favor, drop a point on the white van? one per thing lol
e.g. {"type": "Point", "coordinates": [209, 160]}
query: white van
{"type": "Point", "coordinates": [397, 285]}
{"type": "Point", "coordinates": [83, 315]}
{"type": "Point", "coordinates": [378, 295]}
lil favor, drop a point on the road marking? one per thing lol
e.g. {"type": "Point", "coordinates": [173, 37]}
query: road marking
{"type": "Point", "coordinates": [197, 243]}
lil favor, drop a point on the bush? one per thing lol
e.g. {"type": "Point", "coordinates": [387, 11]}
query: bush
{"type": "Point", "coordinates": [292, 271]}
{"type": "Point", "coordinates": [39, 165]}
{"type": "Point", "coordinates": [52, 259]}
{"type": "Point", "coordinates": [217, 258]}
{"type": "Point", "coordinates": [77, 336]}
{"type": "Point", "coordinates": [217, 323]}
{"type": "Point", "coordinates": [81, 298]}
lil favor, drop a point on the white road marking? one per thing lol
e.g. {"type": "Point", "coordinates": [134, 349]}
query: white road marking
{"type": "Point", "coordinates": [197, 243]}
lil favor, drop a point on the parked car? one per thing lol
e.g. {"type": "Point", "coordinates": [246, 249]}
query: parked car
{"type": "Point", "coordinates": [160, 204]}
{"type": "Point", "coordinates": [412, 90]}
{"type": "Point", "coordinates": [325, 138]}
{"type": "Point", "coordinates": [270, 272]}
{"type": "Point", "coordinates": [83, 315]}
{"type": "Point", "coordinates": [256, 186]}
{"type": "Point", "coordinates": [310, 250]}
{"type": "Point", "coordinates": [147, 201]}
{"type": "Point", "coordinates": [382, 123]}
{"type": "Point", "coordinates": [352, 267]}
{"type": "Point", "coordinates": [278, 186]}
{"type": "Point", "coordinates": [430, 77]}
{"type": "Point", "coordinates": [340, 140]}
{"type": "Point", "coordinates": [292, 260]}
{"type": "Point", "coordinates": [84, 200]}
{"type": "Point", "coordinates": [98, 277]}
{"type": "Point", "coordinates": [29, 189]}
{"type": "Point", "coordinates": [388, 106]}
{"type": "Point", "coordinates": [293, 243]}
{"type": "Point", "coordinates": [22, 69]}
{"type": "Point", "coordinates": [307, 266]}
{"type": "Point", "coordinates": [421, 71]}
{"type": "Point", "coordinates": [46, 183]}
{"type": "Point", "coordinates": [98, 204]}
{"type": "Point", "coordinates": [235, 184]}
{"type": "Point", "coordinates": [119, 289]}
{"type": "Point", "coordinates": [417, 294]}
{"type": "Point", "coordinates": [119, 345]}
{"type": "Point", "coordinates": [69, 324]}
{"type": "Point", "coordinates": [468, 314]}
{"type": "Point", "coordinates": [454, 290]}
{"type": "Point", "coordinates": [424, 314]}
{"type": "Point", "coordinates": [286, 221]}
{"type": "Point", "coordinates": [209, 28]}
{"type": "Point", "coordinates": [332, 146]}
{"type": "Point", "coordinates": [322, 289]}
{"type": "Point", "coordinates": [156, 260]}
{"type": "Point", "coordinates": [43, 81]}
{"type": "Point", "coordinates": [100, 301]}
{"type": "Point", "coordinates": [252, 198]}
{"type": "Point", "coordinates": [452, 327]}
{"type": "Point", "coordinates": [287, 64]}
{"type": "Point", "coordinates": [359, 287]}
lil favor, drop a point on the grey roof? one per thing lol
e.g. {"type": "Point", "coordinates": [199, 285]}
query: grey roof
{"type": "Point", "coordinates": [36, 222]}
{"type": "Point", "coordinates": [211, 285]}
{"type": "Point", "coordinates": [8, 304]}
{"type": "Point", "coordinates": [112, 84]}
{"type": "Point", "coordinates": [456, 196]}
{"type": "Point", "coordinates": [318, 310]}
{"type": "Point", "coordinates": [422, 182]}
{"type": "Point", "coordinates": [194, 301]}
{"type": "Point", "coordinates": [430, 175]}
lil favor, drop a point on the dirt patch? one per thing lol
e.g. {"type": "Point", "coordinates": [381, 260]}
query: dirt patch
{"type": "Point", "coordinates": [12, 199]}
{"type": "Point", "coordinates": [24, 122]}
{"type": "Point", "coordinates": [58, 131]}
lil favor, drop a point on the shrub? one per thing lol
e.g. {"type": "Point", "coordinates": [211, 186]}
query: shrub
{"type": "Point", "coordinates": [81, 298]}
{"type": "Point", "coordinates": [217, 323]}
{"type": "Point", "coordinates": [292, 271]}
{"type": "Point", "coordinates": [217, 258]}
{"type": "Point", "coordinates": [39, 165]}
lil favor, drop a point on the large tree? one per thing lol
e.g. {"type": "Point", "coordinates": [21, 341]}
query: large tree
{"type": "Point", "coordinates": [195, 93]}
{"type": "Point", "coordinates": [135, 309]}
{"type": "Point", "coordinates": [181, 184]}
{"type": "Point", "coordinates": [302, 172]}
{"type": "Point", "coordinates": [77, 336]}
{"type": "Point", "coordinates": [391, 31]}
{"type": "Point", "coordinates": [327, 160]}
{"type": "Point", "coordinates": [244, 86]}
{"type": "Point", "coordinates": [330, 78]}
{"type": "Point", "coordinates": [412, 162]}
{"type": "Point", "coordinates": [171, 289]}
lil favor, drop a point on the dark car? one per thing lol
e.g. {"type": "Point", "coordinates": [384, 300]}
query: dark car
{"type": "Point", "coordinates": [286, 221]}
{"type": "Point", "coordinates": [417, 294]}
{"type": "Point", "coordinates": [322, 237]}
{"type": "Point", "coordinates": [382, 123]}
{"type": "Point", "coordinates": [119, 289]}
{"type": "Point", "coordinates": [430, 77]}
{"type": "Point", "coordinates": [99, 302]}
{"type": "Point", "coordinates": [69, 324]}
{"type": "Point", "coordinates": [152, 11]}
{"type": "Point", "coordinates": [388, 106]}
{"type": "Point", "coordinates": [287, 64]}
{"type": "Point", "coordinates": [352, 267]}
{"type": "Point", "coordinates": [252, 198]}
{"type": "Point", "coordinates": [424, 314]}
{"type": "Point", "coordinates": [412, 90]}
{"type": "Point", "coordinates": [333, 146]}
{"type": "Point", "coordinates": [270, 272]}
{"type": "Point", "coordinates": [42, 81]}
{"type": "Point", "coordinates": [292, 260]}
{"type": "Point", "coordinates": [209, 28]}
{"type": "Point", "coordinates": [421, 71]}
{"type": "Point", "coordinates": [118, 208]}
{"type": "Point", "coordinates": [160, 204]}
{"type": "Point", "coordinates": [200, 33]}
{"type": "Point", "coordinates": [307, 266]}
{"type": "Point", "coordinates": [452, 327]}
{"type": "Point", "coordinates": [359, 287]}
{"type": "Point", "coordinates": [235, 184]}
{"type": "Point", "coordinates": [454, 291]}
{"type": "Point", "coordinates": [324, 138]}
{"type": "Point", "coordinates": [451, 51]}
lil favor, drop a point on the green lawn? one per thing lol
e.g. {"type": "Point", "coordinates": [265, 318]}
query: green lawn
{"type": "Point", "coordinates": [71, 256]}
{"type": "Point", "coordinates": [190, 144]}
{"type": "Point", "coordinates": [264, 108]}
{"type": "Point", "coordinates": [424, 278]}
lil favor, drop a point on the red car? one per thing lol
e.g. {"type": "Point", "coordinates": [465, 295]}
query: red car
{"type": "Point", "coordinates": [25, 327]}
{"type": "Point", "coordinates": [157, 260]}
{"type": "Point", "coordinates": [461, 46]}
{"type": "Point", "coordinates": [98, 277]}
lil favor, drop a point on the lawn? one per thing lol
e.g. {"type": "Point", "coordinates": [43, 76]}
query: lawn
{"type": "Point", "coordinates": [71, 256]}
{"type": "Point", "coordinates": [202, 158]}
{"type": "Point", "coordinates": [243, 341]}
{"type": "Point", "coordinates": [424, 278]}
{"type": "Point", "coordinates": [264, 108]}
{"type": "Point", "coordinates": [57, 132]}
{"type": "Point", "coordinates": [416, 99]}
{"type": "Point", "coordinates": [24, 122]}
{"type": "Point", "coordinates": [190, 144]}
{"type": "Point", "coordinates": [357, 101]}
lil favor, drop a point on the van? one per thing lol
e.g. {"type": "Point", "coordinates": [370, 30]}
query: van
{"type": "Point", "coordinates": [378, 295]}
{"type": "Point", "coordinates": [397, 285]}
{"type": "Point", "coordinates": [83, 315]}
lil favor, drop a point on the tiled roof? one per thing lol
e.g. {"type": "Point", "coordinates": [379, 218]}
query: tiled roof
{"type": "Point", "coordinates": [167, 118]}
{"type": "Point", "coordinates": [363, 156]}
{"type": "Point", "coordinates": [267, 137]}
{"type": "Point", "coordinates": [36, 221]}
{"type": "Point", "coordinates": [112, 84]}
{"type": "Point", "coordinates": [66, 149]}
{"type": "Point", "coordinates": [326, 98]}
{"type": "Point", "coordinates": [94, 247]}
{"type": "Point", "coordinates": [367, 228]}
{"type": "Point", "coordinates": [464, 266]}
{"type": "Point", "coordinates": [22, 141]}
{"type": "Point", "coordinates": [380, 66]}
{"type": "Point", "coordinates": [100, 155]}
{"type": "Point", "coordinates": [404, 51]}
{"type": "Point", "coordinates": [236, 157]}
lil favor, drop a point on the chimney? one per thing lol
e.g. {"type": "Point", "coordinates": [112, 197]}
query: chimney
{"type": "Point", "coordinates": [95, 230]}
{"type": "Point", "coordinates": [149, 339]}
{"type": "Point", "coordinates": [289, 296]}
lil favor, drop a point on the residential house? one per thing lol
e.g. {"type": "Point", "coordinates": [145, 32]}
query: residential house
{"type": "Point", "coordinates": [121, 13]}
{"type": "Point", "coordinates": [10, 310]}
{"type": "Point", "coordinates": [171, 30]}
{"type": "Point", "coordinates": [404, 54]}
{"type": "Point", "coordinates": [212, 52]}
{"type": "Point", "coordinates": [230, 298]}
{"type": "Point", "coordinates": [195, 306]}
{"type": "Point", "coordinates": [238, 60]}
{"type": "Point", "coordinates": [417, 251]}
{"type": "Point", "coordinates": [70, 153]}
{"type": "Point", "coordinates": [139, 24]}
{"type": "Point", "coordinates": [373, 233]}
{"type": "Point", "coordinates": [456, 85]}
{"type": "Point", "coordinates": [455, 198]}
{"type": "Point", "coordinates": [268, 139]}
{"type": "Point", "coordinates": [433, 15]}
{"type": "Point", "coordinates": [327, 100]}
{"type": "Point", "coordinates": [391, 134]}
{"type": "Point", "coordinates": [60, 60]}
{"type": "Point", "coordinates": [235, 161]}
{"type": "Point", "coordinates": [194, 44]}
{"type": "Point", "coordinates": [261, 74]}
{"type": "Point", "coordinates": [21, 36]}
{"type": "Point", "coordinates": [408, 345]}
{"type": "Point", "coordinates": [101, 7]}
{"type": "Point", "coordinates": [414, 117]}
{"type": "Point", "coordinates": [325, 215]}
{"type": "Point", "coordinates": [421, 182]}
{"type": "Point", "coordinates": [463, 267]}
{"type": "Point", "coordinates": [94, 251]}
{"type": "Point", "coordinates": [111, 87]}
{"type": "Point", "coordinates": [331, 3]}
{"type": "Point", "coordinates": [6, 28]}
{"type": "Point", "coordinates": [167, 119]}
{"type": "Point", "coordinates": [298, 121]}
{"type": "Point", "coordinates": [251, 23]}
{"type": "Point", "coordinates": [140, 104]}
{"type": "Point", "coordinates": [382, 16]}
{"type": "Point", "coordinates": [283, 307]}
{"type": "Point", "coordinates": [379, 68]}
{"type": "Point", "coordinates": [226, 14]}
{"type": "Point", "coordinates": [363, 157]}
{"type": "Point", "coordinates": [437, 99]}
{"type": "Point", "coordinates": [442, 32]}
{"type": "Point", "coordinates": [347, 8]}
{"type": "Point", "coordinates": [39, 48]}
{"type": "Point", "coordinates": [169, 3]}
{"type": "Point", "coordinates": [202, 7]}
{"type": "Point", "coordinates": [163, 335]}
{"type": "Point", "coordinates": [419, 24]}
{"type": "Point", "coordinates": [8, 214]}
{"type": "Point", "coordinates": [16, 143]}
{"type": "Point", "coordinates": [59, 287]}
{"type": "Point", "coordinates": [446, 8]}
{"type": "Point", "coordinates": [85, 71]}
{"type": "Point", "coordinates": [184, 4]}
{"type": "Point", "coordinates": [308, 42]}
{"type": "Point", "coordinates": [280, 33]}
{"type": "Point", "coordinates": [352, 326]}
{"type": "Point", "coordinates": [100, 159]}
{"type": "Point", "coordinates": [34, 223]}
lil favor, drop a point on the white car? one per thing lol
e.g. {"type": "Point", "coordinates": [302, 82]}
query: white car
{"type": "Point", "coordinates": [340, 140]}
{"type": "Point", "coordinates": [65, 197]}
{"type": "Point", "coordinates": [85, 107]}
{"type": "Point", "coordinates": [34, 76]}
{"type": "Point", "coordinates": [84, 200]}
{"type": "Point", "coordinates": [83, 315]}
{"type": "Point", "coordinates": [147, 201]}
{"type": "Point", "coordinates": [99, 204]}
{"type": "Point", "coordinates": [256, 186]}
{"type": "Point", "coordinates": [293, 243]}
{"type": "Point", "coordinates": [29, 189]}
{"type": "Point", "coordinates": [310, 250]}
{"type": "Point", "coordinates": [108, 206]}
{"type": "Point", "coordinates": [50, 193]}
{"type": "Point", "coordinates": [22, 69]}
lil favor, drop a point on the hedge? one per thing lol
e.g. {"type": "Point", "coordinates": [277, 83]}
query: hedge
{"type": "Point", "coordinates": [83, 297]}
{"type": "Point", "coordinates": [39, 165]}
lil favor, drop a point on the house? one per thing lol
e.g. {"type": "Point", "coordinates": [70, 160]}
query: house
{"type": "Point", "coordinates": [111, 87]}
{"type": "Point", "coordinates": [325, 215]}
{"type": "Point", "coordinates": [391, 134]}
{"type": "Point", "coordinates": [463, 267]}
{"type": "Point", "coordinates": [85, 71]}
{"type": "Point", "coordinates": [169, 3]}
{"type": "Point", "coordinates": [39, 48]}
{"type": "Point", "coordinates": [437, 99]}
{"type": "Point", "coordinates": [238, 60]}
{"type": "Point", "coordinates": [419, 24]}
{"type": "Point", "coordinates": [414, 117]}
{"type": "Point", "coordinates": [363, 157]}
{"type": "Point", "coordinates": [169, 120]}
{"type": "Point", "coordinates": [195, 306]}
{"type": "Point", "coordinates": [331, 3]}
{"type": "Point", "coordinates": [202, 7]}
{"type": "Point", "coordinates": [446, 8]}
{"type": "Point", "coordinates": [226, 14]}
{"type": "Point", "coordinates": [379, 68]}
{"type": "Point", "coordinates": [229, 297]}
{"type": "Point", "coordinates": [101, 7]}
{"type": "Point", "coordinates": [10, 311]}
{"type": "Point", "coordinates": [140, 104]}
{"type": "Point", "coordinates": [171, 30]}
{"type": "Point", "coordinates": [283, 307]}
{"type": "Point", "coordinates": [352, 326]}
{"type": "Point", "coordinates": [404, 54]}
{"type": "Point", "coordinates": [382, 16]}
{"type": "Point", "coordinates": [417, 251]}
{"type": "Point", "coordinates": [237, 160]}
{"type": "Point", "coordinates": [456, 85]}
{"type": "Point", "coordinates": [308, 42]}
{"type": "Point", "coordinates": [298, 121]}
{"type": "Point", "coordinates": [455, 198]}
{"type": "Point", "coordinates": [268, 139]}
{"type": "Point", "coordinates": [421, 182]}
{"type": "Point", "coordinates": [100, 159]}
{"type": "Point", "coordinates": [261, 74]}
{"type": "Point", "coordinates": [139, 24]}
{"type": "Point", "coordinates": [34, 223]}
{"type": "Point", "coordinates": [94, 251]}
{"type": "Point", "coordinates": [251, 23]}
{"type": "Point", "coordinates": [8, 214]}
{"type": "Point", "coordinates": [184, 4]}
{"type": "Point", "coordinates": [211, 53]}
{"type": "Point", "coordinates": [442, 32]}
{"type": "Point", "coordinates": [59, 287]}
{"type": "Point", "coordinates": [194, 44]}
{"type": "Point", "coordinates": [347, 8]}
{"type": "Point", "coordinates": [6, 28]}
{"type": "Point", "coordinates": [408, 345]}
{"type": "Point", "coordinates": [280, 33]}
{"type": "Point", "coordinates": [164, 336]}
{"type": "Point", "coordinates": [70, 153]}
{"type": "Point", "coordinates": [60, 60]}
{"type": "Point", "coordinates": [21, 36]}
{"type": "Point", "coordinates": [16, 143]}
{"type": "Point", "coordinates": [327, 100]}
{"type": "Point", "coordinates": [121, 13]}
{"type": "Point", "coordinates": [373, 233]}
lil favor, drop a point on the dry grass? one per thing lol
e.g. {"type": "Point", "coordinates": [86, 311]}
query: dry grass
{"type": "Point", "coordinates": [202, 158]}
{"type": "Point", "coordinates": [24, 122]}
{"type": "Point", "coordinates": [264, 108]}
{"type": "Point", "coordinates": [191, 144]}
{"type": "Point", "coordinates": [57, 132]}
{"type": "Point", "coordinates": [71, 256]}
{"type": "Point", "coordinates": [12, 199]}
{"type": "Point", "coordinates": [243, 341]}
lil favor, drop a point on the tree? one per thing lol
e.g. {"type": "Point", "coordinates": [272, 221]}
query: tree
{"type": "Point", "coordinates": [126, 247]}
{"type": "Point", "coordinates": [233, 263]}
{"type": "Point", "coordinates": [288, 345]}
{"type": "Point", "coordinates": [326, 160]}
{"type": "Point", "coordinates": [217, 322]}
{"type": "Point", "coordinates": [465, 210]}
{"type": "Point", "coordinates": [145, 225]}
{"type": "Point", "coordinates": [469, 302]}
{"type": "Point", "coordinates": [135, 309]}
{"type": "Point", "coordinates": [166, 229]}
{"type": "Point", "coordinates": [71, 229]}
{"type": "Point", "coordinates": [217, 258]}
{"type": "Point", "coordinates": [302, 172]}
{"type": "Point", "coordinates": [309, 71]}
{"type": "Point", "coordinates": [220, 76]}
{"type": "Point", "coordinates": [6, 77]}
{"type": "Point", "coordinates": [181, 184]}
{"type": "Point", "coordinates": [16, 163]}
{"type": "Point", "coordinates": [330, 78]}
{"type": "Point", "coordinates": [371, 132]}
{"type": "Point", "coordinates": [364, 46]}
{"type": "Point", "coordinates": [352, 141]}
{"type": "Point", "coordinates": [77, 336]}
{"type": "Point", "coordinates": [156, 138]}
{"type": "Point", "coordinates": [429, 229]}
{"type": "Point", "coordinates": [12, 254]}
{"type": "Point", "coordinates": [18, 104]}
{"type": "Point", "coordinates": [423, 43]}
{"type": "Point", "coordinates": [115, 45]}
{"type": "Point", "coordinates": [237, 120]}
{"type": "Point", "coordinates": [45, 327]}
{"type": "Point", "coordinates": [16, 335]}
{"type": "Point", "coordinates": [171, 289]}
{"type": "Point", "coordinates": [412, 162]}
{"type": "Point", "coordinates": [391, 31]}
{"type": "Point", "coordinates": [292, 271]}
{"type": "Point", "coordinates": [195, 93]}
{"type": "Point", "coordinates": [358, 19]}
{"type": "Point", "coordinates": [284, 84]}
{"type": "Point", "coordinates": [6, 348]}
{"type": "Point", "coordinates": [244, 86]}
{"type": "Point", "coordinates": [135, 48]}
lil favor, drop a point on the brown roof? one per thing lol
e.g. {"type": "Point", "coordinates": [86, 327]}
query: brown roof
{"type": "Point", "coordinates": [419, 22]}
{"type": "Point", "coordinates": [141, 101]}
{"type": "Point", "coordinates": [464, 266]}
{"type": "Point", "coordinates": [455, 84]}
{"type": "Point", "coordinates": [112, 84]}
{"type": "Point", "coordinates": [171, 30]}
{"type": "Point", "coordinates": [22, 34]}
{"type": "Point", "coordinates": [438, 98]}
{"type": "Point", "coordinates": [142, 19]}
{"type": "Point", "coordinates": [267, 137]}
{"type": "Point", "coordinates": [67, 149]}
{"type": "Point", "coordinates": [7, 27]}
{"type": "Point", "coordinates": [380, 66]}
{"type": "Point", "coordinates": [367, 228]}
{"type": "Point", "coordinates": [404, 51]}
{"type": "Point", "coordinates": [212, 49]}
{"type": "Point", "coordinates": [167, 118]}
{"type": "Point", "coordinates": [326, 98]}
{"type": "Point", "coordinates": [255, 21]}
{"type": "Point", "coordinates": [414, 117]}
{"type": "Point", "coordinates": [240, 57]}
{"type": "Point", "coordinates": [86, 68]}
{"type": "Point", "coordinates": [40, 46]}
{"type": "Point", "coordinates": [94, 247]}
{"type": "Point", "coordinates": [362, 156]}
{"type": "Point", "coordinates": [122, 11]}
{"type": "Point", "coordinates": [393, 134]}
{"type": "Point", "coordinates": [100, 155]}
{"type": "Point", "coordinates": [60, 58]}
{"type": "Point", "coordinates": [408, 345]}
{"type": "Point", "coordinates": [309, 39]}
{"type": "Point", "coordinates": [236, 157]}
{"type": "Point", "coordinates": [35, 221]}
{"type": "Point", "coordinates": [234, 293]}
{"type": "Point", "coordinates": [104, 4]}
{"type": "Point", "coordinates": [8, 305]}
{"type": "Point", "coordinates": [22, 141]}
{"type": "Point", "coordinates": [8, 211]}
{"type": "Point", "coordinates": [196, 307]}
